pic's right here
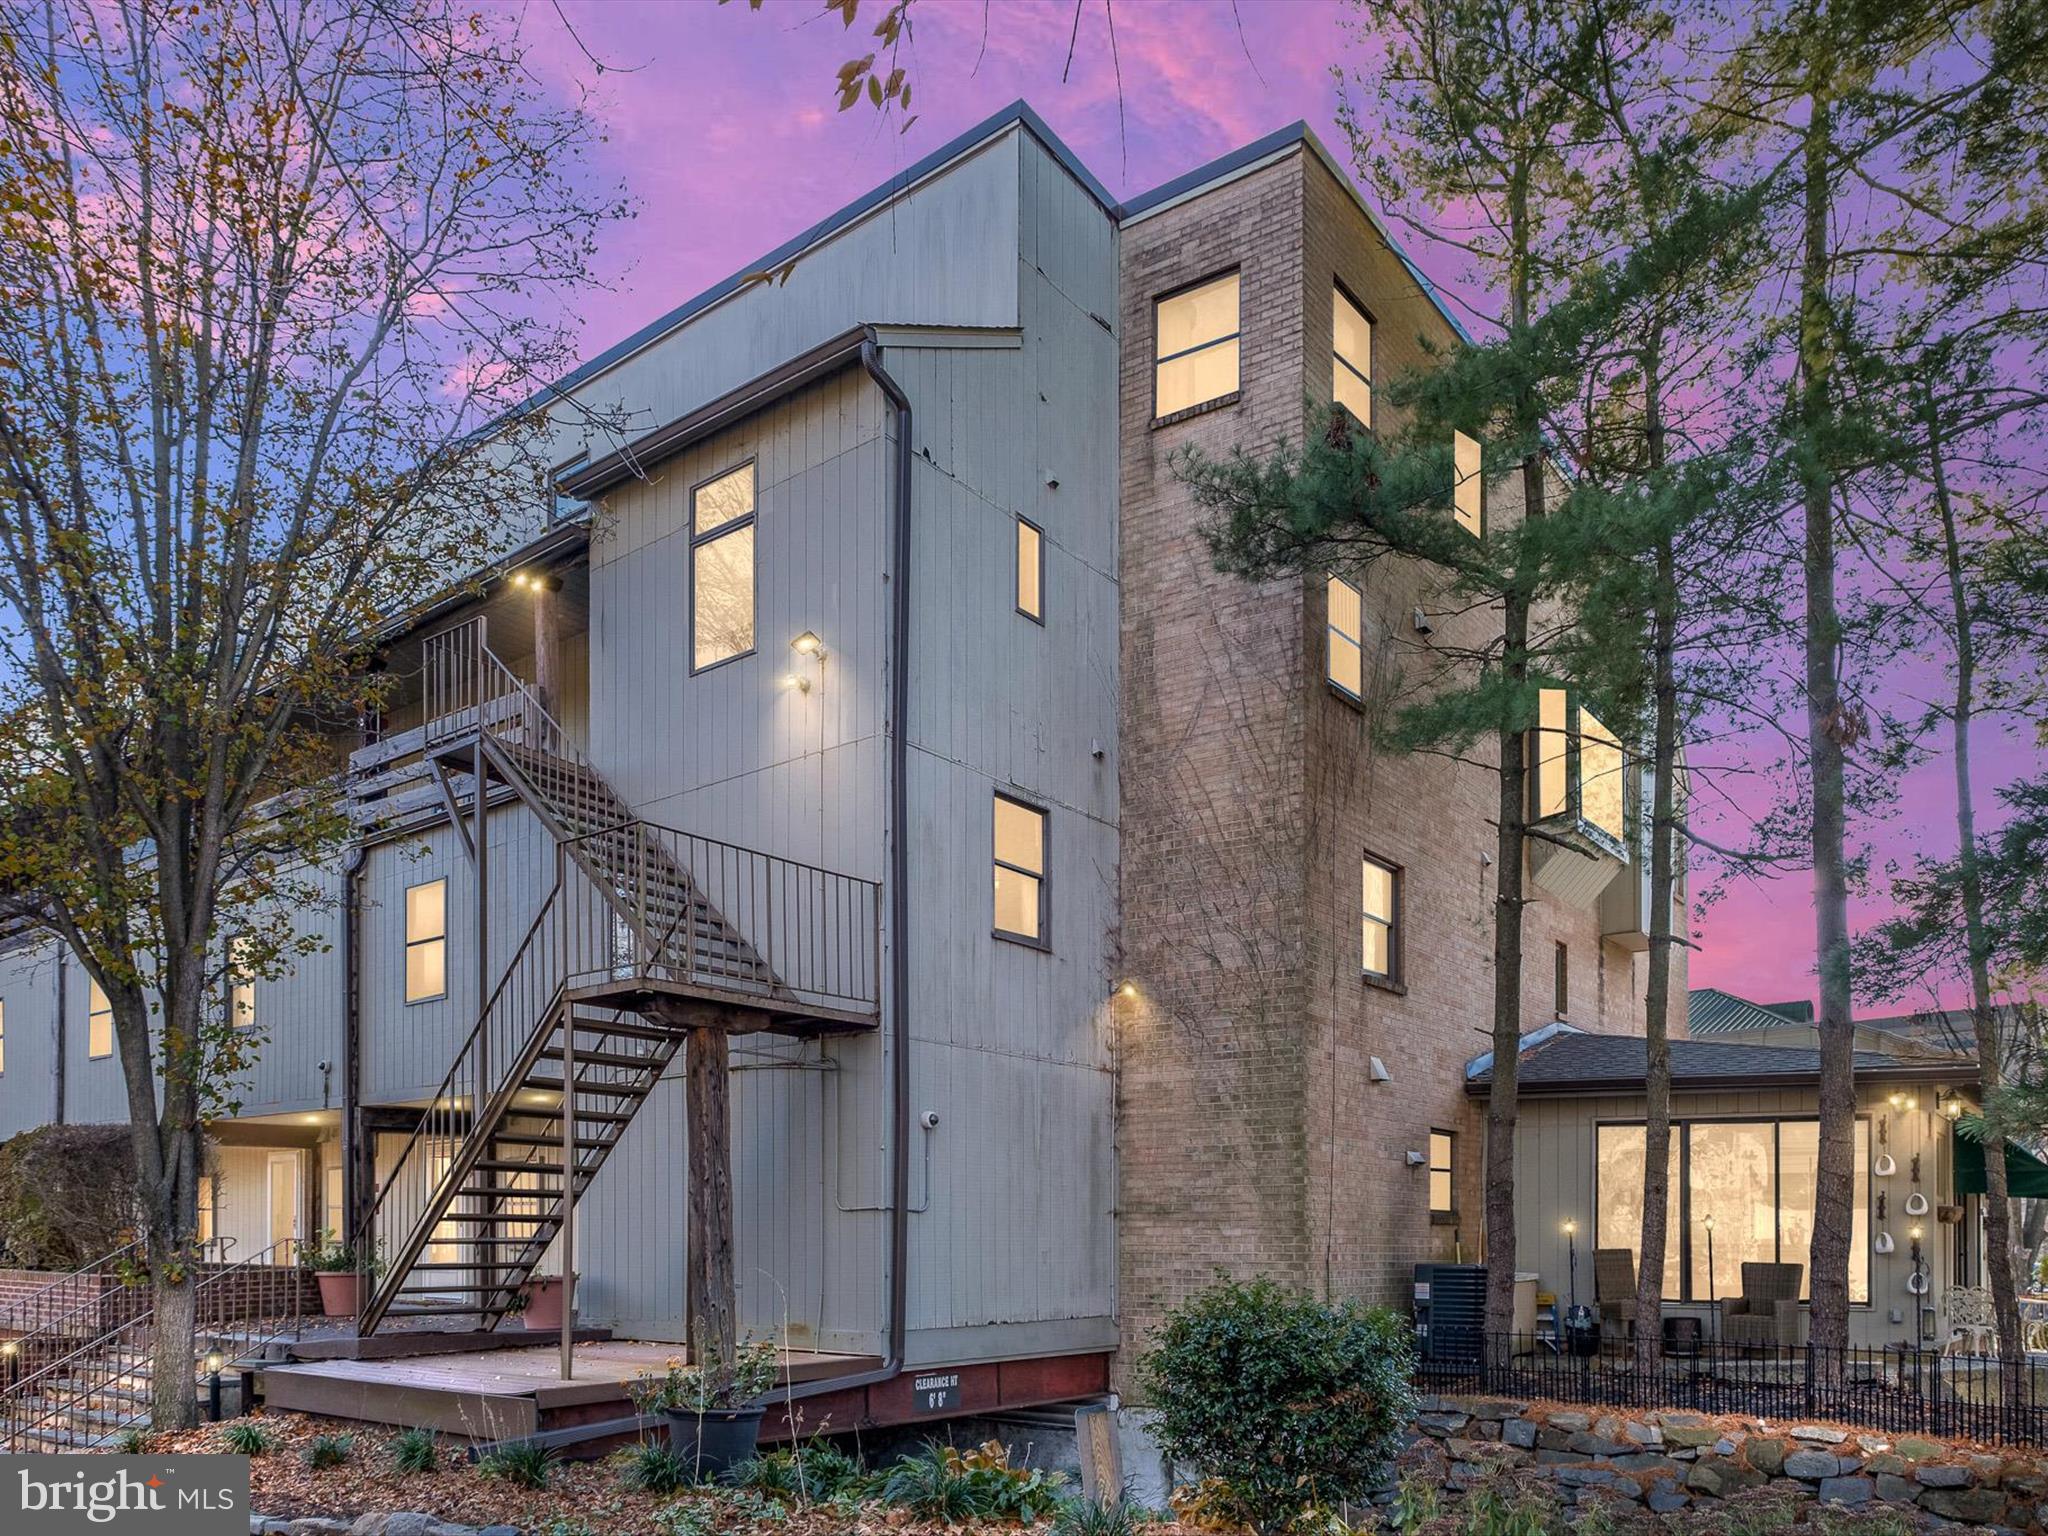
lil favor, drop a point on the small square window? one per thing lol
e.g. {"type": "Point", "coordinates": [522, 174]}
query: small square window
{"type": "Point", "coordinates": [1195, 346]}
{"type": "Point", "coordinates": [1030, 571]}
{"type": "Point", "coordinates": [426, 941]}
{"type": "Point", "coordinates": [99, 1022]}
{"type": "Point", "coordinates": [1442, 1169]}
{"type": "Point", "coordinates": [722, 518]}
{"type": "Point", "coordinates": [1379, 919]}
{"type": "Point", "coordinates": [1345, 661]}
{"type": "Point", "coordinates": [1350, 357]}
{"type": "Point", "coordinates": [1019, 868]}
{"type": "Point", "coordinates": [1468, 489]}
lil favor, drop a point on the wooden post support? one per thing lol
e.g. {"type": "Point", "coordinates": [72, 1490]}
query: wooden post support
{"type": "Point", "coordinates": [707, 1062]}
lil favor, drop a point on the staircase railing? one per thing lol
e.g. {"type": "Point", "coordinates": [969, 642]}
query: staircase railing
{"type": "Point", "coordinates": [435, 1158]}
{"type": "Point", "coordinates": [672, 906]}
{"type": "Point", "coordinates": [261, 1298]}
{"type": "Point", "coordinates": [468, 691]}
{"type": "Point", "coordinates": [64, 1301]}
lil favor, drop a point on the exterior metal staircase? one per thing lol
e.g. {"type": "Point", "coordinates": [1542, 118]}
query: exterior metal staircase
{"type": "Point", "coordinates": [646, 932]}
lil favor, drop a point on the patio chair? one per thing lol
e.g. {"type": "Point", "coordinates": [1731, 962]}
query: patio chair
{"type": "Point", "coordinates": [1972, 1322]}
{"type": "Point", "coordinates": [1614, 1291]}
{"type": "Point", "coordinates": [1767, 1314]}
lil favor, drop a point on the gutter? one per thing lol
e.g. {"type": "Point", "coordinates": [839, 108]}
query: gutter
{"type": "Point", "coordinates": [1933, 1072]}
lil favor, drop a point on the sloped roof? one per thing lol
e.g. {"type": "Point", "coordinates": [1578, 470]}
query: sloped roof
{"type": "Point", "coordinates": [1710, 1011]}
{"type": "Point", "coordinates": [1583, 1063]}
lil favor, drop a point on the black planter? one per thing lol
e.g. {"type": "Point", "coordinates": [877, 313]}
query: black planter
{"type": "Point", "coordinates": [715, 1439]}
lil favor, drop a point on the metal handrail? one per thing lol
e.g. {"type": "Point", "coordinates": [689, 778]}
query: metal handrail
{"type": "Point", "coordinates": [60, 1389]}
{"type": "Point", "coordinates": [20, 1317]}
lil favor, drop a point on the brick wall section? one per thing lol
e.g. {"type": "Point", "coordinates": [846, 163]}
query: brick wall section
{"type": "Point", "coordinates": [1213, 1068]}
{"type": "Point", "coordinates": [1251, 1136]}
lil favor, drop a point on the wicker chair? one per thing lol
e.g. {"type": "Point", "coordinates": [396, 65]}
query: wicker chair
{"type": "Point", "coordinates": [1614, 1290]}
{"type": "Point", "coordinates": [1767, 1314]}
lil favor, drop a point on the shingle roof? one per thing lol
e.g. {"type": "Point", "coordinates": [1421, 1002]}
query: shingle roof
{"type": "Point", "coordinates": [1574, 1063]}
{"type": "Point", "coordinates": [1710, 1011]}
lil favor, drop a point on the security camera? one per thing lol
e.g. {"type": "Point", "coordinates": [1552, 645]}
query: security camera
{"type": "Point", "coordinates": [929, 1119]}
{"type": "Point", "coordinates": [1424, 625]}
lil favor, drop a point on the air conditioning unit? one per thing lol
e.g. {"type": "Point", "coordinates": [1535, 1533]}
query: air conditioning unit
{"type": "Point", "coordinates": [1450, 1313]}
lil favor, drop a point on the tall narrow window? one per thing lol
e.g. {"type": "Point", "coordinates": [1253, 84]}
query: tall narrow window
{"type": "Point", "coordinates": [1553, 791]}
{"type": "Point", "coordinates": [1379, 918]}
{"type": "Point", "coordinates": [426, 941]}
{"type": "Point", "coordinates": [1019, 870]}
{"type": "Point", "coordinates": [1441, 1147]}
{"type": "Point", "coordinates": [1468, 488]}
{"type": "Point", "coordinates": [1030, 571]}
{"type": "Point", "coordinates": [1562, 980]}
{"type": "Point", "coordinates": [241, 986]}
{"type": "Point", "coordinates": [1601, 780]}
{"type": "Point", "coordinates": [99, 1022]}
{"type": "Point", "coordinates": [1351, 356]}
{"type": "Point", "coordinates": [206, 1199]}
{"type": "Point", "coordinates": [1346, 659]}
{"type": "Point", "coordinates": [722, 568]}
{"type": "Point", "coordinates": [1196, 346]}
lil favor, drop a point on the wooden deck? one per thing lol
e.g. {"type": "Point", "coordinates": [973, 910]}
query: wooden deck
{"type": "Point", "coordinates": [498, 1394]}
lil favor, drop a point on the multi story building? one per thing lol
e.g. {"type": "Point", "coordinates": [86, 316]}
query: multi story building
{"type": "Point", "coordinates": [876, 701]}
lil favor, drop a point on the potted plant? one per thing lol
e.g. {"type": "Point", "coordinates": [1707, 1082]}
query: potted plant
{"type": "Point", "coordinates": [538, 1302]}
{"type": "Point", "coordinates": [342, 1274]}
{"type": "Point", "coordinates": [714, 1415]}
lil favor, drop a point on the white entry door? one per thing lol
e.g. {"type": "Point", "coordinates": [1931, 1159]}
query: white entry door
{"type": "Point", "coordinates": [287, 1207]}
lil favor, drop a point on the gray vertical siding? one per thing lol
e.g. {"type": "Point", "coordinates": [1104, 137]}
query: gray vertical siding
{"type": "Point", "coordinates": [28, 996]}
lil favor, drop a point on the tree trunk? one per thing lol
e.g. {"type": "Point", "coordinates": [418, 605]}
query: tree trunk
{"type": "Point", "coordinates": [1663, 880]}
{"type": "Point", "coordinates": [1829, 726]}
{"type": "Point", "coordinates": [173, 1397]}
{"type": "Point", "coordinates": [1998, 1243]}
{"type": "Point", "coordinates": [1657, 995]}
{"type": "Point", "coordinates": [714, 1334]}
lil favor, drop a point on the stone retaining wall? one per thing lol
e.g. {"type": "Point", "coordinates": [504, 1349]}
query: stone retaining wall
{"type": "Point", "coordinates": [1668, 1460]}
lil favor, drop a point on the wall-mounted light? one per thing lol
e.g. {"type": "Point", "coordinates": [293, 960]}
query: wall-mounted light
{"type": "Point", "coordinates": [1897, 1099]}
{"type": "Point", "coordinates": [1124, 989]}
{"type": "Point", "coordinates": [1951, 1107]}
{"type": "Point", "coordinates": [800, 684]}
{"type": "Point", "coordinates": [808, 644]}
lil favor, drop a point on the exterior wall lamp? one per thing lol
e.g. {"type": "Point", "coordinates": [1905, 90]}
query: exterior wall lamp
{"type": "Point", "coordinates": [806, 644]}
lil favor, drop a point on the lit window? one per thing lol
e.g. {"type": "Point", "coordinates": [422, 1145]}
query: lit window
{"type": "Point", "coordinates": [1030, 571]}
{"type": "Point", "coordinates": [1579, 768]}
{"type": "Point", "coordinates": [1196, 342]}
{"type": "Point", "coordinates": [99, 1023]}
{"type": "Point", "coordinates": [1379, 913]}
{"type": "Point", "coordinates": [1754, 1179]}
{"type": "Point", "coordinates": [1468, 490]}
{"type": "Point", "coordinates": [445, 1246]}
{"type": "Point", "coordinates": [722, 568]}
{"type": "Point", "coordinates": [206, 1198]}
{"type": "Point", "coordinates": [1346, 663]}
{"type": "Point", "coordinates": [1440, 1151]}
{"type": "Point", "coordinates": [241, 986]}
{"type": "Point", "coordinates": [1351, 357]}
{"type": "Point", "coordinates": [426, 941]}
{"type": "Point", "coordinates": [1600, 777]}
{"type": "Point", "coordinates": [1562, 981]}
{"type": "Point", "coordinates": [1019, 870]}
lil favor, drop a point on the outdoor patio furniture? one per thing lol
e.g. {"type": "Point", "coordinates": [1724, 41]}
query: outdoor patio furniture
{"type": "Point", "coordinates": [1614, 1290]}
{"type": "Point", "coordinates": [1767, 1314]}
{"type": "Point", "coordinates": [1972, 1322]}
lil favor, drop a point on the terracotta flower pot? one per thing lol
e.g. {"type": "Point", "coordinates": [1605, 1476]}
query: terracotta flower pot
{"type": "Point", "coordinates": [543, 1302]}
{"type": "Point", "coordinates": [341, 1293]}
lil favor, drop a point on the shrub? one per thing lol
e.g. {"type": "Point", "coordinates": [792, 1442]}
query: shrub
{"type": "Point", "coordinates": [67, 1195]}
{"type": "Point", "coordinates": [416, 1450]}
{"type": "Point", "coordinates": [653, 1466]}
{"type": "Point", "coordinates": [1087, 1517]}
{"type": "Point", "coordinates": [132, 1442]}
{"type": "Point", "coordinates": [951, 1486]}
{"type": "Point", "coordinates": [815, 1473]}
{"type": "Point", "coordinates": [522, 1464]}
{"type": "Point", "coordinates": [329, 1450]}
{"type": "Point", "coordinates": [1294, 1403]}
{"type": "Point", "coordinates": [248, 1439]}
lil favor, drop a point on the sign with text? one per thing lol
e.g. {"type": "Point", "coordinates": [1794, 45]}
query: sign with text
{"type": "Point", "coordinates": [936, 1391]}
{"type": "Point", "coordinates": [141, 1495]}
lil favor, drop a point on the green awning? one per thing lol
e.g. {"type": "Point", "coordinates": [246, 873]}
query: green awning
{"type": "Point", "coordinates": [2025, 1174]}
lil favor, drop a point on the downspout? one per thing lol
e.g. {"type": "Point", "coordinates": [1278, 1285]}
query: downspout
{"type": "Point", "coordinates": [354, 1188]}
{"type": "Point", "coordinates": [63, 1033]}
{"type": "Point", "coordinates": [899, 874]}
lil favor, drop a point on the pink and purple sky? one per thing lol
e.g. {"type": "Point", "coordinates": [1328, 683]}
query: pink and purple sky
{"type": "Point", "coordinates": [722, 123]}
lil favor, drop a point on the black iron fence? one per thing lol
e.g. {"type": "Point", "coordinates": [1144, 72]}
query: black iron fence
{"type": "Point", "coordinates": [1893, 1390]}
